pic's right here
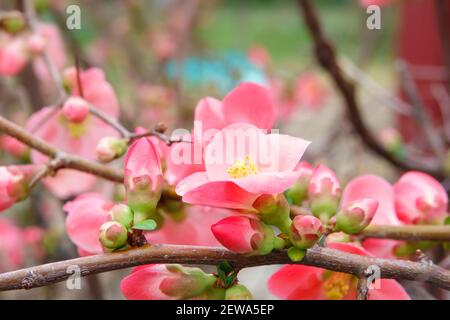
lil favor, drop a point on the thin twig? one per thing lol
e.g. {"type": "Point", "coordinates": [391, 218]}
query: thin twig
{"type": "Point", "coordinates": [326, 56]}
{"type": "Point", "coordinates": [409, 233]}
{"type": "Point", "coordinates": [326, 258]}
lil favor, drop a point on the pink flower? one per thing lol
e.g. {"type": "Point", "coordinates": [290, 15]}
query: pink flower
{"type": "Point", "coordinates": [354, 216]}
{"type": "Point", "coordinates": [193, 229]}
{"type": "Point", "coordinates": [13, 146]}
{"type": "Point", "coordinates": [14, 182]}
{"type": "Point", "coordinates": [310, 92]}
{"type": "Point", "coordinates": [142, 160]}
{"type": "Point", "coordinates": [241, 234]}
{"type": "Point", "coordinates": [419, 198]}
{"type": "Point", "coordinates": [305, 231]}
{"type": "Point", "coordinates": [242, 163]}
{"type": "Point", "coordinates": [165, 282]}
{"type": "Point", "coordinates": [77, 138]}
{"type": "Point", "coordinates": [299, 282]}
{"type": "Point", "coordinates": [13, 55]}
{"type": "Point", "coordinates": [259, 56]}
{"type": "Point", "coordinates": [376, 188]}
{"type": "Point", "coordinates": [366, 3]}
{"type": "Point", "coordinates": [85, 216]}
{"type": "Point", "coordinates": [11, 245]}
{"type": "Point", "coordinates": [54, 44]}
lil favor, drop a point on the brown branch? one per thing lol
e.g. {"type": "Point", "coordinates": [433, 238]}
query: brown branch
{"type": "Point", "coordinates": [409, 233]}
{"type": "Point", "coordinates": [326, 57]}
{"type": "Point", "coordinates": [326, 258]}
{"type": "Point", "coordinates": [66, 161]}
{"type": "Point", "coordinates": [362, 288]}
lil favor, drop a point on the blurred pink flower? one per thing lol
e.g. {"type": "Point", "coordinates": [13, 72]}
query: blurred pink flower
{"type": "Point", "coordinates": [259, 56]}
{"type": "Point", "coordinates": [419, 198]}
{"type": "Point", "coordinates": [366, 3]}
{"type": "Point", "coordinates": [299, 282]}
{"type": "Point", "coordinates": [13, 146]}
{"type": "Point", "coordinates": [13, 54]}
{"type": "Point", "coordinates": [376, 188]}
{"type": "Point", "coordinates": [11, 245]}
{"type": "Point", "coordinates": [85, 215]}
{"type": "Point", "coordinates": [77, 138]}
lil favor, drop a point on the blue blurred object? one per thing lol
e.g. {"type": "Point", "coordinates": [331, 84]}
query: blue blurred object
{"type": "Point", "coordinates": [223, 72]}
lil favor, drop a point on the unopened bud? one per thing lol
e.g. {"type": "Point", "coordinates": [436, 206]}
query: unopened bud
{"type": "Point", "coordinates": [238, 292]}
{"type": "Point", "coordinates": [13, 23]}
{"type": "Point", "coordinates": [113, 235]}
{"type": "Point", "coordinates": [110, 148]}
{"type": "Point", "coordinates": [75, 109]}
{"type": "Point", "coordinates": [122, 214]}
{"type": "Point", "coordinates": [356, 215]}
{"type": "Point", "coordinates": [299, 191]}
{"type": "Point", "coordinates": [36, 44]}
{"type": "Point", "coordinates": [324, 193]}
{"type": "Point", "coordinates": [305, 231]}
{"type": "Point", "coordinates": [274, 210]}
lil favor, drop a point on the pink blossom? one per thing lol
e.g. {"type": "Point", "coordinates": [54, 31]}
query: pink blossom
{"type": "Point", "coordinates": [193, 229]}
{"type": "Point", "coordinates": [236, 173]}
{"type": "Point", "coordinates": [76, 138]}
{"type": "Point", "coordinates": [13, 55]}
{"type": "Point", "coordinates": [419, 198]}
{"type": "Point", "coordinates": [310, 92]}
{"type": "Point", "coordinates": [14, 182]}
{"type": "Point", "coordinates": [299, 282]}
{"type": "Point", "coordinates": [259, 56]}
{"type": "Point", "coordinates": [241, 234]}
{"type": "Point", "coordinates": [376, 188]}
{"type": "Point", "coordinates": [11, 245]}
{"type": "Point", "coordinates": [85, 216]}
{"type": "Point", "coordinates": [13, 146]}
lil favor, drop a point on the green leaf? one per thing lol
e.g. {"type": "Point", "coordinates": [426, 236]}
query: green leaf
{"type": "Point", "coordinates": [225, 266]}
{"type": "Point", "coordinates": [447, 220]}
{"type": "Point", "coordinates": [147, 225]}
{"type": "Point", "coordinates": [296, 254]}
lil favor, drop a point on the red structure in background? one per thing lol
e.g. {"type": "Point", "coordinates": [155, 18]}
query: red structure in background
{"type": "Point", "coordinates": [421, 47]}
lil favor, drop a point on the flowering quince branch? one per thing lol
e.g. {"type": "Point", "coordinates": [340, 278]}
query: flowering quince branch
{"type": "Point", "coordinates": [325, 54]}
{"type": "Point", "coordinates": [326, 258]}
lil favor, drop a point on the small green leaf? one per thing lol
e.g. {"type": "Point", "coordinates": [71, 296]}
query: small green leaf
{"type": "Point", "coordinates": [225, 266]}
{"type": "Point", "coordinates": [296, 254]}
{"type": "Point", "coordinates": [146, 225]}
{"type": "Point", "coordinates": [447, 220]}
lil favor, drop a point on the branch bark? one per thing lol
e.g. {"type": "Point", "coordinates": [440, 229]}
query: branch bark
{"type": "Point", "coordinates": [326, 258]}
{"type": "Point", "coordinates": [326, 56]}
{"type": "Point", "coordinates": [409, 233]}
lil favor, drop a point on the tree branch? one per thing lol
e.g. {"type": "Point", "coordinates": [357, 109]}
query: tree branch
{"type": "Point", "coordinates": [326, 57]}
{"type": "Point", "coordinates": [326, 258]}
{"type": "Point", "coordinates": [409, 233]}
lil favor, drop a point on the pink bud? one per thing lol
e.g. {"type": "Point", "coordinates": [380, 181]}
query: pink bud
{"type": "Point", "coordinates": [420, 198]}
{"type": "Point", "coordinates": [14, 184]}
{"type": "Point", "coordinates": [36, 43]}
{"type": "Point", "coordinates": [109, 148]}
{"type": "Point", "coordinates": [166, 282]}
{"type": "Point", "coordinates": [113, 235]}
{"type": "Point", "coordinates": [13, 146]}
{"type": "Point", "coordinates": [240, 234]}
{"type": "Point", "coordinates": [305, 231]}
{"type": "Point", "coordinates": [299, 191]}
{"type": "Point", "coordinates": [356, 215]}
{"type": "Point", "coordinates": [75, 109]}
{"type": "Point", "coordinates": [324, 192]}
{"type": "Point", "coordinates": [13, 57]}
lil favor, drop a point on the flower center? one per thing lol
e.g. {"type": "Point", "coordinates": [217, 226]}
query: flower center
{"type": "Point", "coordinates": [243, 168]}
{"type": "Point", "coordinates": [336, 285]}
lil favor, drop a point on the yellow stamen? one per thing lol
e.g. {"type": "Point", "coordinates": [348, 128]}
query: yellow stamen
{"type": "Point", "coordinates": [336, 285]}
{"type": "Point", "coordinates": [243, 168]}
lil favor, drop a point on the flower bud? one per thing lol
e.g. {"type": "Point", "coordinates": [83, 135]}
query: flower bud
{"type": "Point", "coordinates": [75, 109]}
{"type": "Point", "coordinates": [299, 191]}
{"type": "Point", "coordinates": [305, 231]}
{"type": "Point", "coordinates": [36, 44]}
{"type": "Point", "coordinates": [110, 148]}
{"type": "Point", "coordinates": [274, 210]}
{"type": "Point", "coordinates": [324, 193]}
{"type": "Point", "coordinates": [245, 234]}
{"type": "Point", "coordinates": [164, 282]}
{"type": "Point", "coordinates": [13, 23]}
{"type": "Point", "coordinates": [143, 180]}
{"type": "Point", "coordinates": [122, 214]}
{"type": "Point", "coordinates": [14, 182]}
{"type": "Point", "coordinates": [238, 292]}
{"type": "Point", "coordinates": [14, 147]}
{"type": "Point", "coordinates": [419, 198]}
{"type": "Point", "coordinates": [113, 235]}
{"type": "Point", "coordinates": [356, 215]}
